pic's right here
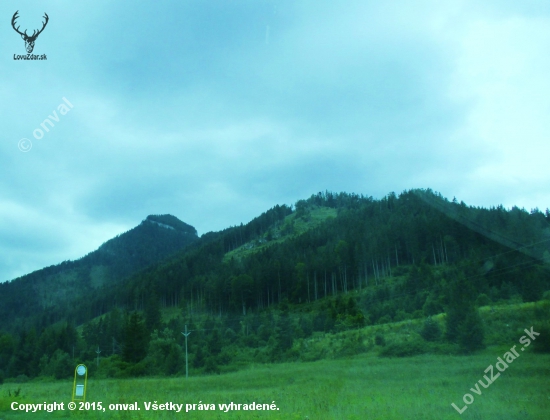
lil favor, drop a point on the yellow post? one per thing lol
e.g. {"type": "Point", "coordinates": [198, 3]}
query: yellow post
{"type": "Point", "coordinates": [80, 383]}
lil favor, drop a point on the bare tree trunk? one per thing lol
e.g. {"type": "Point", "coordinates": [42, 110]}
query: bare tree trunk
{"type": "Point", "coordinates": [396, 257]}
{"type": "Point", "coordinates": [315, 282]}
{"type": "Point", "coordinates": [345, 279]}
{"type": "Point", "coordinates": [307, 279]}
{"type": "Point", "coordinates": [279, 276]}
{"type": "Point", "coordinates": [375, 273]}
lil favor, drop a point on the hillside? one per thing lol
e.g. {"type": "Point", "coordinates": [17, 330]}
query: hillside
{"type": "Point", "coordinates": [290, 227]}
{"type": "Point", "coordinates": [277, 288]}
{"type": "Point", "coordinates": [45, 291]}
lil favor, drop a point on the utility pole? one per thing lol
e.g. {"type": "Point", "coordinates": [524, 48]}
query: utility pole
{"type": "Point", "coordinates": [186, 364]}
{"type": "Point", "coordinates": [98, 351]}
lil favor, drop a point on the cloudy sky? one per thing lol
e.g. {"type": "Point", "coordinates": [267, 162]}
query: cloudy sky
{"type": "Point", "coordinates": [215, 111]}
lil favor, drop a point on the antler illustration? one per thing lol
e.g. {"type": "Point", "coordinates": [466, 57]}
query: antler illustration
{"type": "Point", "coordinates": [29, 40]}
{"type": "Point", "coordinates": [13, 19]}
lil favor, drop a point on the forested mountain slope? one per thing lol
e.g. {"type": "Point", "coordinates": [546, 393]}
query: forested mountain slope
{"type": "Point", "coordinates": [335, 262]}
{"type": "Point", "coordinates": [367, 241]}
{"type": "Point", "coordinates": [38, 293]}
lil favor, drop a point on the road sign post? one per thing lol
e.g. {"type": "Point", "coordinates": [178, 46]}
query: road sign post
{"type": "Point", "coordinates": [80, 383]}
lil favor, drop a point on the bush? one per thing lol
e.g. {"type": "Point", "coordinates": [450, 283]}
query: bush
{"type": "Point", "coordinates": [417, 314]}
{"type": "Point", "coordinates": [226, 356]}
{"type": "Point", "coordinates": [542, 311]}
{"type": "Point", "coordinates": [404, 348]}
{"type": "Point", "coordinates": [542, 342]}
{"type": "Point", "coordinates": [111, 367]}
{"type": "Point", "coordinates": [379, 340]}
{"type": "Point", "coordinates": [211, 366]}
{"type": "Point", "coordinates": [401, 315]}
{"type": "Point", "coordinates": [430, 330]}
{"type": "Point", "coordinates": [164, 355]}
{"type": "Point", "coordinates": [61, 364]}
{"type": "Point", "coordinates": [471, 333]}
{"type": "Point", "coordinates": [482, 300]}
{"type": "Point", "coordinates": [138, 369]}
{"type": "Point", "coordinates": [432, 306]}
{"type": "Point", "coordinates": [352, 345]}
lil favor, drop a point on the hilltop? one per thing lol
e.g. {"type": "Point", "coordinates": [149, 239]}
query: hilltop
{"type": "Point", "coordinates": [300, 283]}
{"type": "Point", "coordinates": [44, 291]}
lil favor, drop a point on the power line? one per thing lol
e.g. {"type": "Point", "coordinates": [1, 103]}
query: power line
{"type": "Point", "coordinates": [186, 361]}
{"type": "Point", "coordinates": [98, 351]}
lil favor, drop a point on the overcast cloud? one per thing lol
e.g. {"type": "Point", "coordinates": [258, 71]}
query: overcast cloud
{"type": "Point", "coordinates": [215, 111]}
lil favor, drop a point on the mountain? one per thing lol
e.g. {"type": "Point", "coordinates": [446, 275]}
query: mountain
{"type": "Point", "coordinates": [340, 243]}
{"type": "Point", "coordinates": [267, 290]}
{"type": "Point", "coordinates": [153, 240]}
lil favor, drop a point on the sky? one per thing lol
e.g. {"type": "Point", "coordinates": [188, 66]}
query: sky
{"type": "Point", "coordinates": [215, 111]}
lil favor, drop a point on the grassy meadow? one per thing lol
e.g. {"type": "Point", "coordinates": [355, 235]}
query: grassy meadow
{"type": "Point", "coordinates": [360, 387]}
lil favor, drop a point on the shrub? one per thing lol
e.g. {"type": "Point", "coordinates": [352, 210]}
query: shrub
{"type": "Point", "coordinates": [482, 300]}
{"type": "Point", "coordinates": [138, 369]}
{"type": "Point", "coordinates": [417, 314]}
{"type": "Point", "coordinates": [404, 348]}
{"type": "Point", "coordinates": [542, 311]}
{"type": "Point", "coordinates": [432, 306]}
{"type": "Point", "coordinates": [112, 367]}
{"type": "Point", "coordinates": [379, 340]}
{"type": "Point", "coordinates": [211, 366]}
{"type": "Point", "coordinates": [430, 330]}
{"type": "Point", "coordinates": [21, 379]}
{"type": "Point", "coordinates": [542, 342]}
{"type": "Point", "coordinates": [401, 315]}
{"type": "Point", "coordinates": [352, 345]}
{"type": "Point", "coordinates": [471, 333]}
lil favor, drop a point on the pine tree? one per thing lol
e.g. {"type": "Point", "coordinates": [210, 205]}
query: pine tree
{"type": "Point", "coordinates": [153, 316]}
{"type": "Point", "coordinates": [463, 323]}
{"type": "Point", "coordinates": [135, 339]}
{"type": "Point", "coordinates": [284, 333]}
{"type": "Point", "coordinates": [215, 343]}
{"type": "Point", "coordinates": [431, 330]}
{"type": "Point", "coordinates": [471, 332]}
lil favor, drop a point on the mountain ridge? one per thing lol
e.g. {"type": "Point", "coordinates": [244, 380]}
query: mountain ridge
{"type": "Point", "coordinates": [117, 258]}
{"type": "Point", "coordinates": [273, 257]}
{"type": "Point", "coordinates": [267, 290]}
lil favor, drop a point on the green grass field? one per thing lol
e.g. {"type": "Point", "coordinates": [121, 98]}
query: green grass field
{"type": "Point", "coordinates": [361, 387]}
